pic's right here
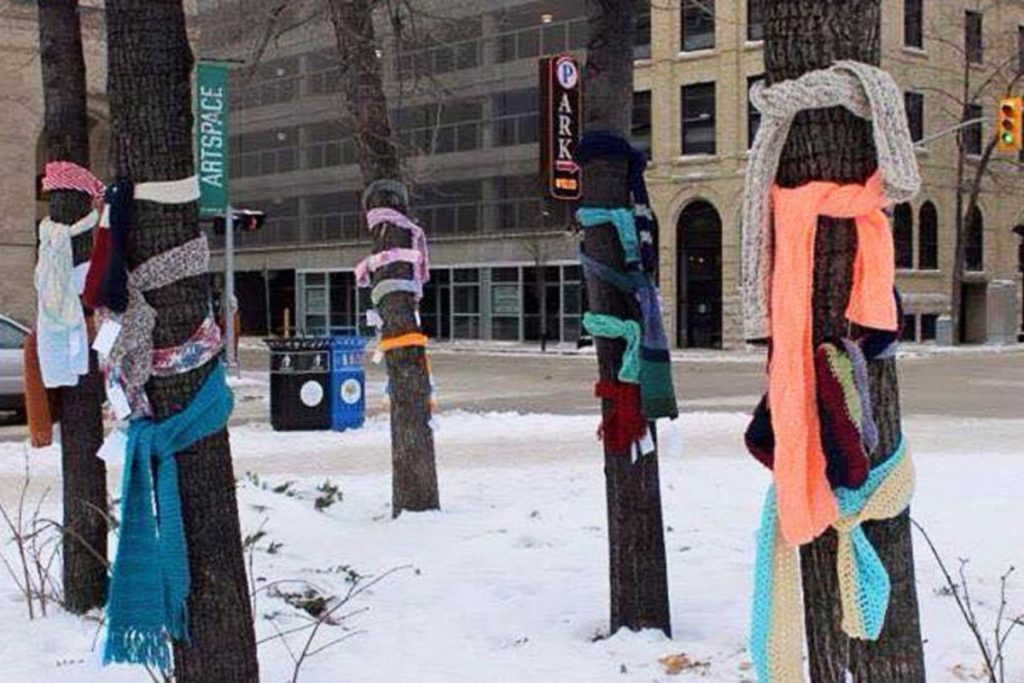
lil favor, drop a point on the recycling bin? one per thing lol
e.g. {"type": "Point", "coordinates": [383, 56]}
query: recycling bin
{"type": "Point", "coordinates": [300, 383]}
{"type": "Point", "coordinates": [348, 383]}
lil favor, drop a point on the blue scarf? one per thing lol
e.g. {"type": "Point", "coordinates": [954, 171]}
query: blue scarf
{"type": "Point", "coordinates": [150, 580]}
{"type": "Point", "coordinates": [606, 143]}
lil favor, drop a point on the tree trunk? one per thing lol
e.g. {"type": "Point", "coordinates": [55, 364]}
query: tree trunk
{"type": "Point", "coordinates": [66, 133]}
{"type": "Point", "coordinates": [833, 144]}
{"type": "Point", "coordinates": [636, 541]}
{"type": "Point", "coordinates": [150, 66]}
{"type": "Point", "coordinates": [414, 472]}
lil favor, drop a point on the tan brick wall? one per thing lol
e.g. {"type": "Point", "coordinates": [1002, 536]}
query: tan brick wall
{"type": "Point", "coordinates": [677, 181]}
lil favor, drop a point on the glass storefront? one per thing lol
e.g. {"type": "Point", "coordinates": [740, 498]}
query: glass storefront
{"type": "Point", "coordinates": [508, 303]}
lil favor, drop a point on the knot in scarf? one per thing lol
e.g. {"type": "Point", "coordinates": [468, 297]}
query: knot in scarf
{"type": "Point", "coordinates": [149, 584]}
{"type": "Point", "coordinates": [776, 636]}
{"type": "Point", "coordinates": [865, 90]}
{"type": "Point", "coordinates": [131, 358]}
{"type": "Point", "coordinates": [611, 327]}
{"type": "Point", "coordinates": [376, 217]}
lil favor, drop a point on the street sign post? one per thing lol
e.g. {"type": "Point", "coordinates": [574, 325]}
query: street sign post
{"type": "Point", "coordinates": [211, 134]}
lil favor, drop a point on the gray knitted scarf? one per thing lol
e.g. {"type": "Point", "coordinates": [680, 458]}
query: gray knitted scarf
{"type": "Point", "coordinates": [865, 90]}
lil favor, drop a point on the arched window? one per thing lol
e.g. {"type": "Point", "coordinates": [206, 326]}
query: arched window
{"type": "Point", "coordinates": [903, 235]}
{"type": "Point", "coordinates": [928, 238]}
{"type": "Point", "coordinates": [974, 247]}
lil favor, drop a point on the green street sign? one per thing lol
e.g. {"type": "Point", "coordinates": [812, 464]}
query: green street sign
{"type": "Point", "coordinates": [211, 132]}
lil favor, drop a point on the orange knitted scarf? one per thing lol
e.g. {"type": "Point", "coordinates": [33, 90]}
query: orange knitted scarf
{"type": "Point", "coordinates": [805, 501]}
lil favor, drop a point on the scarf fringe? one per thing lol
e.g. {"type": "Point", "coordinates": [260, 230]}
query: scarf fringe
{"type": "Point", "coordinates": [132, 645]}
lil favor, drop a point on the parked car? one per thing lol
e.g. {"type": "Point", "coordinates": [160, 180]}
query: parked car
{"type": "Point", "coordinates": [12, 392]}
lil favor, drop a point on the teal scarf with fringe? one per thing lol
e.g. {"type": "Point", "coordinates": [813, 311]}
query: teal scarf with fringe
{"type": "Point", "coordinates": [149, 584]}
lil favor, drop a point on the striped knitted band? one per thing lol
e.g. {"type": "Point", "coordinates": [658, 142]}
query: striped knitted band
{"type": "Point", "coordinates": [403, 341]}
{"type": "Point", "coordinates": [608, 326]}
{"type": "Point", "coordinates": [386, 287]}
{"type": "Point", "coordinates": [130, 362]}
{"type": "Point", "coordinates": [202, 347]}
{"type": "Point", "coordinates": [394, 187]}
{"type": "Point", "coordinates": [67, 175]}
{"type": "Point", "coordinates": [366, 267]}
{"type": "Point", "coordinates": [777, 625]}
{"type": "Point", "coordinates": [377, 217]}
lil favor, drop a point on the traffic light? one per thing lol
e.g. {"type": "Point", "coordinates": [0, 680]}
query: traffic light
{"type": "Point", "coordinates": [1008, 132]}
{"type": "Point", "coordinates": [246, 220]}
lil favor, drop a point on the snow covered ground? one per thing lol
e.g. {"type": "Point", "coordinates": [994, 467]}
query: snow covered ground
{"type": "Point", "coordinates": [509, 581]}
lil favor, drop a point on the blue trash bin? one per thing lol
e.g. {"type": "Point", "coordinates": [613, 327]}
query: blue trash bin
{"type": "Point", "coordinates": [348, 383]}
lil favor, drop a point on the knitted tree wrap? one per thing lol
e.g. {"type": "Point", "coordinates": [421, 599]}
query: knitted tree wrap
{"type": "Point", "coordinates": [865, 90]}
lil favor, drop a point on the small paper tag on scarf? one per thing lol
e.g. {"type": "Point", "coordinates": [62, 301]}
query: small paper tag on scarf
{"type": "Point", "coordinates": [113, 447]}
{"type": "Point", "coordinates": [646, 443]}
{"type": "Point", "coordinates": [378, 356]}
{"type": "Point", "coordinates": [105, 338]}
{"type": "Point", "coordinates": [119, 402]}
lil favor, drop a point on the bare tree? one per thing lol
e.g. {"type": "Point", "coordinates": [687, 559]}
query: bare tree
{"type": "Point", "coordinates": [149, 71]}
{"type": "Point", "coordinates": [636, 540]}
{"type": "Point", "coordinates": [84, 475]}
{"type": "Point", "coordinates": [414, 472]}
{"type": "Point", "coordinates": [833, 144]}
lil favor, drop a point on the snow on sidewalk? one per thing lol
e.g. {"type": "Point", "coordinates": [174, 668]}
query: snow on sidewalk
{"type": "Point", "coordinates": [509, 581]}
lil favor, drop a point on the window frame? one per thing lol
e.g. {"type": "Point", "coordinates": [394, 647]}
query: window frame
{"type": "Point", "coordinates": [913, 33]}
{"type": "Point", "coordinates": [689, 10]}
{"type": "Point", "coordinates": [710, 121]}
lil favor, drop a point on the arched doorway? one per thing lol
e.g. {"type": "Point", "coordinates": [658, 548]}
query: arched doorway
{"type": "Point", "coordinates": [699, 264]}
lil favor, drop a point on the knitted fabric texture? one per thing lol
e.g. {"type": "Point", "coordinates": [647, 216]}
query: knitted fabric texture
{"type": "Point", "coordinates": [625, 226]}
{"type": "Point", "coordinates": [658, 397]}
{"type": "Point", "coordinates": [859, 365]}
{"type": "Point", "coordinates": [67, 175]}
{"type": "Point", "coordinates": [62, 338]}
{"type": "Point", "coordinates": [149, 584]}
{"type": "Point", "coordinates": [199, 349]}
{"type": "Point", "coordinates": [865, 90]}
{"type": "Point", "coordinates": [841, 415]}
{"type": "Point", "coordinates": [366, 267]}
{"type": "Point", "coordinates": [377, 217]}
{"type": "Point", "coordinates": [394, 187]}
{"type": "Point", "coordinates": [403, 341]}
{"type": "Point", "coordinates": [130, 362]}
{"type": "Point", "coordinates": [610, 327]}
{"type": "Point", "coordinates": [622, 424]}
{"type": "Point", "coordinates": [776, 635]}
{"type": "Point", "coordinates": [595, 144]}
{"type": "Point", "coordinates": [386, 287]}
{"type": "Point", "coordinates": [806, 504]}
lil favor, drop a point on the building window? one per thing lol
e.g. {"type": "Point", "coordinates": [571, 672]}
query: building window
{"type": "Point", "coordinates": [642, 44]}
{"type": "Point", "coordinates": [755, 20]}
{"type": "Point", "coordinates": [974, 248]}
{"type": "Point", "coordinates": [903, 235]}
{"type": "Point", "coordinates": [914, 103]}
{"type": "Point", "coordinates": [913, 31]}
{"type": "Point", "coordinates": [329, 143]}
{"type": "Point", "coordinates": [333, 217]}
{"type": "Point", "coordinates": [440, 128]}
{"type": "Point", "coordinates": [698, 118]}
{"type": "Point", "coordinates": [506, 304]}
{"type": "Point", "coordinates": [466, 303]}
{"type": "Point", "coordinates": [515, 119]}
{"type": "Point", "coordinates": [928, 238]}
{"type": "Point", "coordinates": [698, 25]}
{"type": "Point", "coordinates": [928, 324]}
{"type": "Point", "coordinates": [452, 208]}
{"type": "Point", "coordinates": [641, 128]}
{"type": "Point", "coordinates": [753, 113]}
{"type": "Point", "coordinates": [909, 328]}
{"type": "Point", "coordinates": [972, 135]}
{"type": "Point", "coordinates": [973, 41]}
{"type": "Point", "coordinates": [264, 153]}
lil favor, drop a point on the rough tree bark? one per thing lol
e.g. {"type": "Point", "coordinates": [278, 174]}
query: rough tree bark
{"type": "Point", "coordinates": [150, 66]}
{"type": "Point", "coordinates": [832, 144]}
{"type": "Point", "coordinates": [636, 540]}
{"type": "Point", "coordinates": [414, 471]}
{"type": "Point", "coordinates": [66, 133]}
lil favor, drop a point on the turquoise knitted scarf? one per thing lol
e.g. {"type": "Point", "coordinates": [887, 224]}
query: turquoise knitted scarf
{"type": "Point", "coordinates": [149, 585]}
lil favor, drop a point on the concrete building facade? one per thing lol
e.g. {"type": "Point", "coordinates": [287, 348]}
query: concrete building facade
{"type": "Point", "coordinates": [461, 78]}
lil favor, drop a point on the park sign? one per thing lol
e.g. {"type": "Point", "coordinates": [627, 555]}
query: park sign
{"type": "Point", "coordinates": [561, 117]}
{"type": "Point", "coordinates": [211, 133]}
